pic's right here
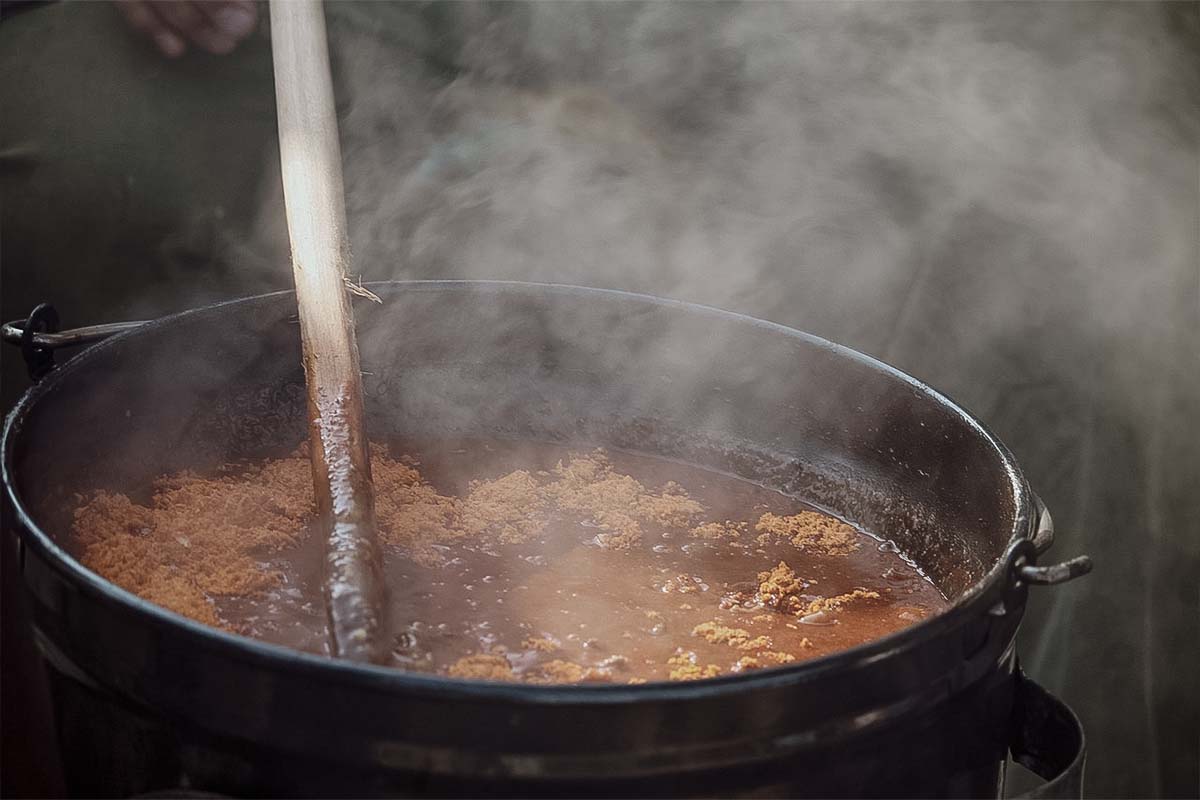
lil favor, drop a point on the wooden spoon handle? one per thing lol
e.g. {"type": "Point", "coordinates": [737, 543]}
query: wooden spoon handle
{"type": "Point", "coordinates": [316, 215]}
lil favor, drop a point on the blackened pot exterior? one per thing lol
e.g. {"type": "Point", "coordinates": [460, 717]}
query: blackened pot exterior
{"type": "Point", "coordinates": [146, 700]}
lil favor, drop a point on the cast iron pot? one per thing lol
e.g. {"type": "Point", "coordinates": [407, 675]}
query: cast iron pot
{"type": "Point", "coordinates": [146, 700]}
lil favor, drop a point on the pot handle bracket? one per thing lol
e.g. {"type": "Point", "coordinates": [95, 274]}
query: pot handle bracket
{"type": "Point", "coordinates": [1043, 537]}
{"type": "Point", "coordinates": [38, 360]}
{"type": "Point", "coordinates": [1047, 739]}
{"type": "Point", "coordinates": [39, 336]}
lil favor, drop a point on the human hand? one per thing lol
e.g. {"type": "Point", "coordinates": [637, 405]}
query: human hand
{"type": "Point", "coordinates": [212, 25]}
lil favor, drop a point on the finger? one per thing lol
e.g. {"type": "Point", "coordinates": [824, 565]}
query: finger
{"type": "Point", "coordinates": [142, 18]}
{"type": "Point", "coordinates": [237, 19]}
{"type": "Point", "coordinates": [188, 20]}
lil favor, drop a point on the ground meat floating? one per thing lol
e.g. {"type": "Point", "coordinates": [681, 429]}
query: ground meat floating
{"type": "Point", "coordinates": [523, 563]}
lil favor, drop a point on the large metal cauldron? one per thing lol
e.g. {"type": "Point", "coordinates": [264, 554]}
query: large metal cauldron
{"type": "Point", "coordinates": [146, 700]}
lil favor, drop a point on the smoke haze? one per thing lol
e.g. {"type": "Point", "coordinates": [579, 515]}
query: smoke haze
{"type": "Point", "coordinates": [1001, 199]}
{"type": "Point", "coordinates": [998, 198]}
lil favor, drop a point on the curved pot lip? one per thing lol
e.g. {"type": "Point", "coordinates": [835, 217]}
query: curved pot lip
{"type": "Point", "coordinates": [375, 677]}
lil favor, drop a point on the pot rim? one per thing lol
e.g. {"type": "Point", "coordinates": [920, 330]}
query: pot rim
{"type": "Point", "coordinates": [243, 648]}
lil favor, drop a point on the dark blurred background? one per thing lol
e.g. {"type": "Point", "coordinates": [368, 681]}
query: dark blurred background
{"type": "Point", "coordinates": [1002, 199]}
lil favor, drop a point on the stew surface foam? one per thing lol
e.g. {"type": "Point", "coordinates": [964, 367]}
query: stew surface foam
{"type": "Point", "coordinates": [520, 562]}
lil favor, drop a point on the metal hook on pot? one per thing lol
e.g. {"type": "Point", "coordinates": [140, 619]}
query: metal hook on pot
{"type": "Point", "coordinates": [1043, 538]}
{"type": "Point", "coordinates": [1055, 573]}
{"type": "Point", "coordinates": [39, 336]}
{"type": "Point", "coordinates": [38, 360]}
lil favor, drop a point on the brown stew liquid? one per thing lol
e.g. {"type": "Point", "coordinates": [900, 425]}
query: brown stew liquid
{"type": "Point", "coordinates": [513, 561]}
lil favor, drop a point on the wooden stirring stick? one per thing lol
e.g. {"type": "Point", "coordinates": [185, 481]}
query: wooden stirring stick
{"type": "Point", "coordinates": [316, 215]}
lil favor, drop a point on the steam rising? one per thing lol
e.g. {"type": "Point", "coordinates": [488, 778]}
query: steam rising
{"type": "Point", "coordinates": [941, 185]}
{"type": "Point", "coordinates": [741, 154]}
{"type": "Point", "coordinates": [999, 198]}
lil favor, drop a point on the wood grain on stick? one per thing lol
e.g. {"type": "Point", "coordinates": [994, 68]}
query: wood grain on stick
{"type": "Point", "coordinates": [316, 215]}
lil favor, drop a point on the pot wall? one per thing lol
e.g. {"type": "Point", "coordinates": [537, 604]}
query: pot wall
{"type": "Point", "coordinates": [923, 712]}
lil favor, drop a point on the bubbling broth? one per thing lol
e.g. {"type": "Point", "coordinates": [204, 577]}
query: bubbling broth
{"type": "Point", "coordinates": [520, 562]}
